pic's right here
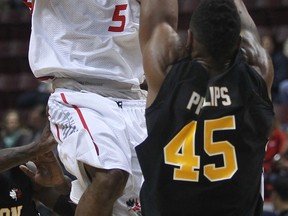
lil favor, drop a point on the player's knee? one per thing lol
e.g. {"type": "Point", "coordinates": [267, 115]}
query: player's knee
{"type": "Point", "coordinates": [117, 178]}
{"type": "Point", "coordinates": [114, 182]}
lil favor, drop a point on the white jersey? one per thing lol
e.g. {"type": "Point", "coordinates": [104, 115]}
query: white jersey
{"type": "Point", "coordinates": [86, 39]}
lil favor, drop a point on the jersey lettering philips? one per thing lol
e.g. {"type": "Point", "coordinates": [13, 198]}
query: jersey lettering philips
{"type": "Point", "coordinates": [13, 211]}
{"type": "Point", "coordinates": [219, 95]}
{"type": "Point", "coordinates": [92, 39]}
{"type": "Point", "coordinates": [180, 151]}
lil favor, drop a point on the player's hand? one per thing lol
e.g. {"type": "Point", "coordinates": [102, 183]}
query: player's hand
{"type": "Point", "coordinates": [47, 171]}
{"type": "Point", "coordinates": [46, 142]}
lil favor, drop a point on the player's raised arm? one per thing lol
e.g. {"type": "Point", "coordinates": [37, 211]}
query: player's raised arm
{"type": "Point", "coordinates": [251, 45]}
{"type": "Point", "coordinates": [159, 41]}
{"type": "Point", "coordinates": [155, 12]}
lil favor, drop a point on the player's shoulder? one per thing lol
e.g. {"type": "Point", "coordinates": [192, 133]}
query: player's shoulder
{"type": "Point", "coordinates": [257, 57]}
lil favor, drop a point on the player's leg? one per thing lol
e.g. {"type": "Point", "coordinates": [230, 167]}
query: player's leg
{"type": "Point", "coordinates": [86, 137]}
{"type": "Point", "coordinates": [106, 187]}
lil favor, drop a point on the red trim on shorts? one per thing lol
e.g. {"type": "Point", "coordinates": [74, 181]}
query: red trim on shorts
{"type": "Point", "coordinates": [29, 4]}
{"type": "Point", "coordinates": [81, 119]}
{"type": "Point", "coordinates": [64, 98]}
{"type": "Point", "coordinates": [58, 132]}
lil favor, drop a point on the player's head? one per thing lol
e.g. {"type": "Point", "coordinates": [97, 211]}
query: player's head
{"type": "Point", "coordinates": [216, 25]}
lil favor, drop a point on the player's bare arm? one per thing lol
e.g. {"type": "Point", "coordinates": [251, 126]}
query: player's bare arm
{"type": "Point", "coordinates": [251, 46]}
{"type": "Point", "coordinates": [11, 157]}
{"type": "Point", "coordinates": [160, 44]}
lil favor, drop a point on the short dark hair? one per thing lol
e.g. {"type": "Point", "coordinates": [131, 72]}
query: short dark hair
{"type": "Point", "coordinates": [280, 186]}
{"type": "Point", "coordinates": [216, 25]}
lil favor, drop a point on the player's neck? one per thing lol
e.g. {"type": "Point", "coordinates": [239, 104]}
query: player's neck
{"type": "Point", "coordinates": [214, 67]}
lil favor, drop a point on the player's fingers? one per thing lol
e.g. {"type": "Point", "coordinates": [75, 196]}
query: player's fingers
{"type": "Point", "coordinates": [27, 171]}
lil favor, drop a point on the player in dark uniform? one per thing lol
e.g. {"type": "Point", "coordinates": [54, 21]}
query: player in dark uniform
{"type": "Point", "coordinates": [208, 113]}
{"type": "Point", "coordinates": [45, 182]}
{"type": "Point", "coordinates": [15, 194]}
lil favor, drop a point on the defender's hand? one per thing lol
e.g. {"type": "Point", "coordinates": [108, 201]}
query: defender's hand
{"type": "Point", "coordinates": [47, 171]}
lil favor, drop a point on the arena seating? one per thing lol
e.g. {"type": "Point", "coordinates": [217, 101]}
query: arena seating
{"type": "Point", "coordinates": [15, 74]}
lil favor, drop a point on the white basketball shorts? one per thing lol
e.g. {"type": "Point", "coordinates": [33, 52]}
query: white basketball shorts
{"type": "Point", "coordinates": [101, 132]}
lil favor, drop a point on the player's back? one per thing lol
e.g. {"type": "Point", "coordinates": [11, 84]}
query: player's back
{"type": "Point", "coordinates": [206, 143]}
{"type": "Point", "coordinates": [86, 39]}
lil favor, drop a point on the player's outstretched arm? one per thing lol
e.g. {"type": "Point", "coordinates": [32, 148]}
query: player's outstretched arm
{"type": "Point", "coordinates": [154, 13]}
{"type": "Point", "coordinates": [15, 156]}
{"type": "Point", "coordinates": [160, 44]}
{"type": "Point", "coordinates": [252, 48]}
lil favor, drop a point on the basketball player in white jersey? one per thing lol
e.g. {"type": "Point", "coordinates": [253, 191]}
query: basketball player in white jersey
{"type": "Point", "coordinates": [90, 52]}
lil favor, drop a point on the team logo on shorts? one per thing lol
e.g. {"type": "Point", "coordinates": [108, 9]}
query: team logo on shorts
{"type": "Point", "coordinates": [134, 207]}
{"type": "Point", "coordinates": [15, 194]}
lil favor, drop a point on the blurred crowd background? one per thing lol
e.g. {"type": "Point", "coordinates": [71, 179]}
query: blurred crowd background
{"type": "Point", "coordinates": [23, 99]}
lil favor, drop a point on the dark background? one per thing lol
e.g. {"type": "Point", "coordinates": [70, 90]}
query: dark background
{"type": "Point", "coordinates": [17, 79]}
